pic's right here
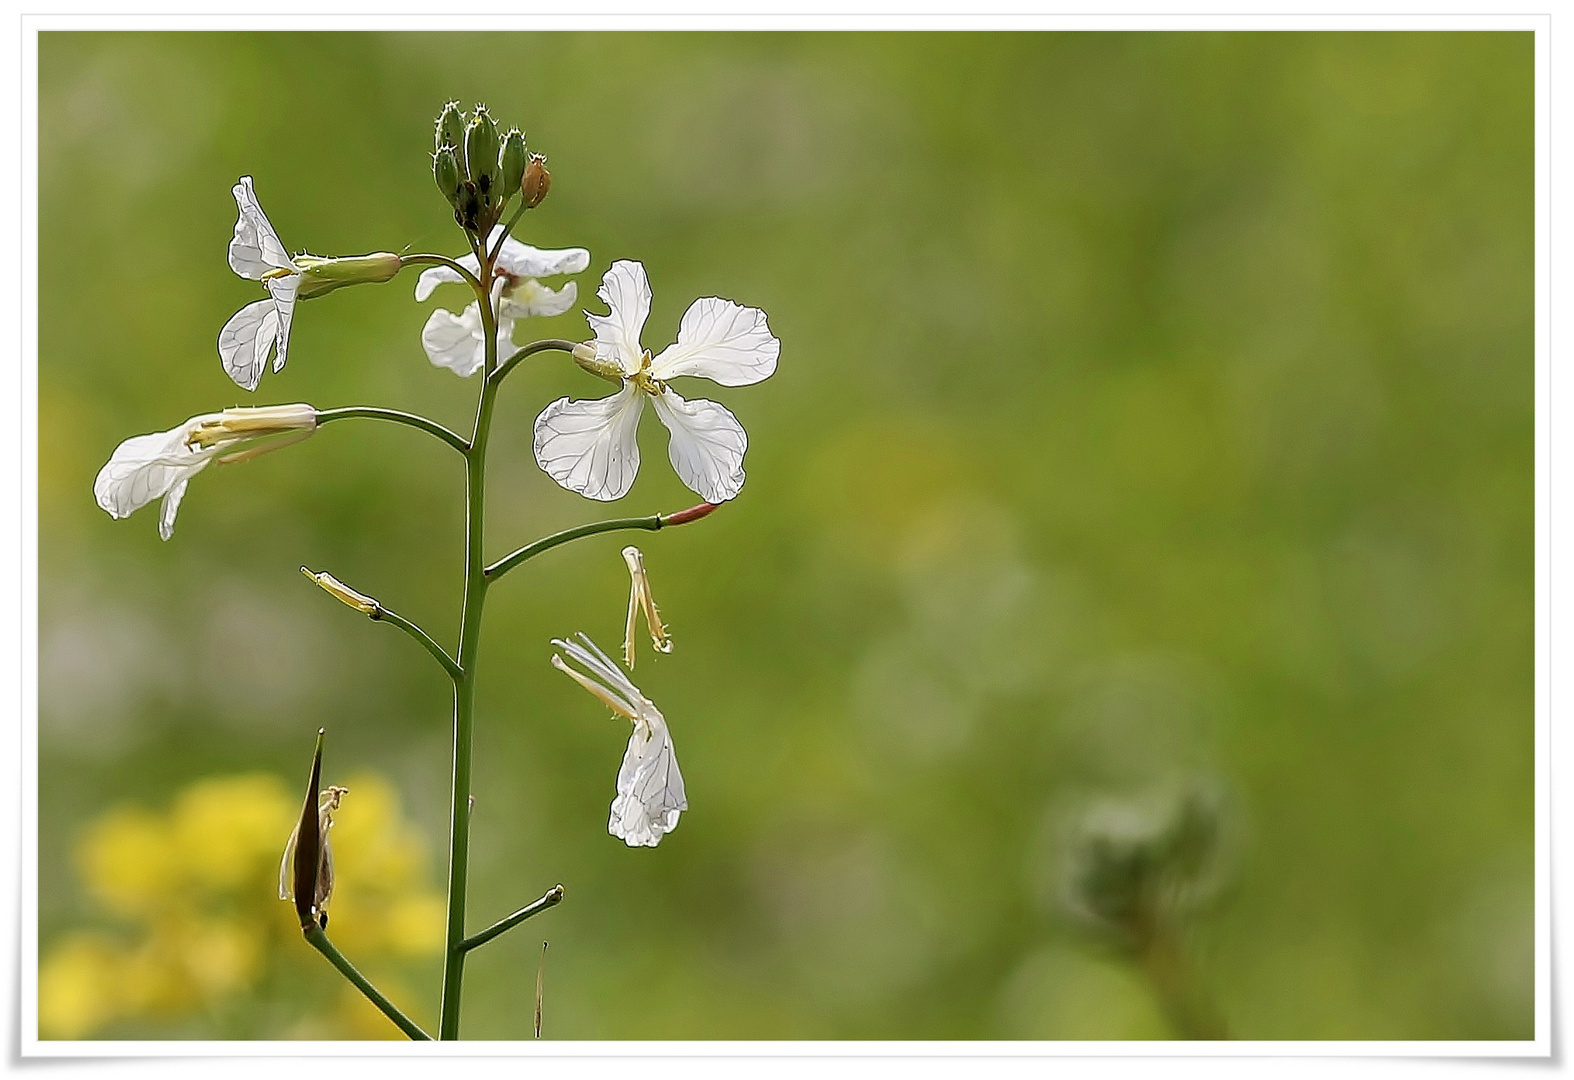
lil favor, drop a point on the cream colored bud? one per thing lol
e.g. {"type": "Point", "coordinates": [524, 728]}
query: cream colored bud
{"type": "Point", "coordinates": [343, 593]}
{"type": "Point", "coordinates": [587, 356]}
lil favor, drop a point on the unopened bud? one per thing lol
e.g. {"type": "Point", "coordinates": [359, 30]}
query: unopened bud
{"type": "Point", "coordinates": [343, 593]}
{"type": "Point", "coordinates": [587, 356]}
{"type": "Point", "coordinates": [445, 170]}
{"type": "Point", "coordinates": [511, 163]}
{"type": "Point", "coordinates": [536, 182]}
{"type": "Point", "coordinates": [481, 150]}
{"type": "Point", "coordinates": [451, 128]}
{"type": "Point", "coordinates": [467, 211]}
{"type": "Point", "coordinates": [693, 513]}
{"type": "Point", "coordinates": [306, 872]}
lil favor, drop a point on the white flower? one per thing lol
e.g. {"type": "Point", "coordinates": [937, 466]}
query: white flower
{"type": "Point", "coordinates": [257, 254]}
{"type": "Point", "coordinates": [590, 446]}
{"type": "Point", "coordinates": [650, 788]}
{"type": "Point", "coordinates": [147, 467]}
{"type": "Point", "coordinates": [457, 342]}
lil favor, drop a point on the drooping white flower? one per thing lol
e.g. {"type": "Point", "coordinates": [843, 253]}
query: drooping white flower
{"type": "Point", "coordinates": [257, 254]}
{"type": "Point", "coordinates": [160, 465]}
{"type": "Point", "coordinates": [650, 788]}
{"type": "Point", "coordinates": [457, 342]}
{"type": "Point", "coordinates": [590, 446]}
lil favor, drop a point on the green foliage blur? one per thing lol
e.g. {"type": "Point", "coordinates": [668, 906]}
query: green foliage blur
{"type": "Point", "coordinates": [1152, 409]}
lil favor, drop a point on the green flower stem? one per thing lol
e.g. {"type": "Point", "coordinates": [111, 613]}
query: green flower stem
{"type": "Point", "coordinates": [421, 423]}
{"type": "Point", "coordinates": [530, 551]}
{"type": "Point", "coordinates": [553, 897]}
{"type": "Point", "coordinates": [444, 260]}
{"type": "Point", "coordinates": [464, 686]}
{"type": "Point", "coordinates": [649, 524]}
{"type": "Point", "coordinates": [519, 212]}
{"type": "Point", "coordinates": [1162, 958]}
{"type": "Point", "coordinates": [319, 941]}
{"type": "Point", "coordinates": [529, 350]}
{"type": "Point", "coordinates": [382, 614]}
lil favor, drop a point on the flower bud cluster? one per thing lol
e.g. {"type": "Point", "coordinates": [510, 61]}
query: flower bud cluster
{"type": "Point", "coordinates": [479, 169]}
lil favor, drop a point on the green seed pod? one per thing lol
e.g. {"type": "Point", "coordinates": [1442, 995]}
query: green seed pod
{"type": "Point", "coordinates": [450, 127]}
{"type": "Point", "coordinates": [481, 150]}
{"type": "Point", "coordinates": [511, 163]}
{"type": "Point", "coordinates": [445, 170]}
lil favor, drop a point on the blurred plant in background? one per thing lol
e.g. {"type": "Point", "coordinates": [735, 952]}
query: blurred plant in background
{"type": "Point", "coordinates": [190, 927]}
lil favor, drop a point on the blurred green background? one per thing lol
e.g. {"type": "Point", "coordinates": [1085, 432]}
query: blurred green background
{"type": "Point", "coordinates": [1151, 407]}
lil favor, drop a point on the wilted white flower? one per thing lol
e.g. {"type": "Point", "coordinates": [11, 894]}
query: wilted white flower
{"type": "Point", "coordinates": [147, 467]}
{"type": "Point", "coordinates": [328, 802]}
{"type": "Point", "coordinates": [590, 446]}
{"type": "Point", "coordinates": [457, 342]}
{"type": "Point", "coordinates": [650, 788]}
{"type": "Point", "coordinates": [257, 254]}
{"type": "Point", "coordinates": [642, 601]}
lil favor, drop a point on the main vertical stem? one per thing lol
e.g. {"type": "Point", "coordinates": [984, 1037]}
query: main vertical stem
{"type": "Point", "coordinates": [464, 685]}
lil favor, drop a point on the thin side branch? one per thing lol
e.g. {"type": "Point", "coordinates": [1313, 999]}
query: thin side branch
{"type": "Point", "coordinates": [420, 423]}
{"type": "Point", "coordinates": [534, 347]}
{"type": "Point", "coordinates": [553, 897]}
{"type": "Point", "coordinates": [319, 941]}
{"type": "Point", "coordinates": [508, 229]}
{"type": "Point", "coordinates": [444, 260]}
{"type": "Point", "coordinates": [382, 614]}
{"type": "Point", "coordinates": [650, 524]}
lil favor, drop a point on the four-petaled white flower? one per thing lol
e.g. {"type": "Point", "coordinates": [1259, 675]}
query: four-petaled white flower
{"type": "Point", "coordinates": [147, 467]}
{"type": "Point", "coordinates": [590, 446]}
{"type": "Point", "coordinates": [457, 342]}
{"type": "Point", "coordinates": [256, 253]}
{"type": "Point", "coordinates": [650, 788]}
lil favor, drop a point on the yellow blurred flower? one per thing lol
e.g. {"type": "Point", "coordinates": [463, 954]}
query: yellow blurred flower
{"type": "Point", "coordinates": [192, 897]}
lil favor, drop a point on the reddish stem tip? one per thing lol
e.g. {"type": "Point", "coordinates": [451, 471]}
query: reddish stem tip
{"type": "Point", "coordinates": [693, 513]}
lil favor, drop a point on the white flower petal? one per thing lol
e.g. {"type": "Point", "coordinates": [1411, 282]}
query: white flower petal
{"type": "Point", "coordinates": [522, 260]}
{"type": "Point", "coordinates": [650, 787]}
{"type": "Point", "coordinates": [171, 504]}
{"type": "Point", "coordinates": [720, 340]}
{"type": "Point", "coordinates": [590, 446]}
{"type": "Point", "coordinates": [246, 340]}
{"type": "Point", "coordinates": [283, 292]}
{"type": "Point", "coordinates": [707, 445]}
{"type": "Point", "coordinates": [626, 291]}
{"type": "Point", "coordinates": [530, 299]}
{"type": "Point", "coordinates": [441, 275]}
{"type": "Point", "coordinates": [255, 248]}
{"type": "Point", "coordinates": [454, 341]}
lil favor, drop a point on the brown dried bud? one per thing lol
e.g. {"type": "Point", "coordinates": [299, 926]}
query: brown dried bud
{"type": "Point", "coordinates": [306, 874]}
{"type": "Point", "coordinates": [537, 181]}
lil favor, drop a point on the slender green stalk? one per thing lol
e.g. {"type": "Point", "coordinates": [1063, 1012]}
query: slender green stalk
{"type": "Point", "coordinates": [443, 260]}
{"type": "Point", "coordinates": [547, 543]}
{"type": "Point", "coordinates": [464, 686]}
{"type": "Point", "coordinates": [369, 412]}
{"type": "Point", "coordinates": [553, 897]}
{"type": "Point", "coordinates": [519, 212]}
{"type": "Point", "coordinates": [319, 941]}
{"type": "Point", "coordinates": [530, 350]}
{"type": "Point", "coordinates": [382, 614]}
{"type": "Point", "coordinates": [1162, 959]}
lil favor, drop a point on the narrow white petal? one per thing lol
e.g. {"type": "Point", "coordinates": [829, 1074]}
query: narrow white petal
{"type": "Point", "coordinates": [625, 290]}
{"type": "Point", "coordinates": [454, 341]}
{"type": "Point", "coordinates": [723, 341]}
{"type": "Point", "coordinates": [707, 445]}
{"type": "Point", "coordinates": [255, 248]}
{"type": "Point", "coordinates": [530, 299]}
{"type": "Point", "coordinates": [590, 446]}
{"type": "Point", "coordinates": [442, 275]}
{"type": "Point", "coordinates": [522, 260]}
{"type": "Point", "coordinates": [283, 292]}
{"type": "Point", "coordinates": [650, 787]}
{"type": "Point", "coordinates": [246, 340]}
{"type": "Point", "coordinates": [171, 504]}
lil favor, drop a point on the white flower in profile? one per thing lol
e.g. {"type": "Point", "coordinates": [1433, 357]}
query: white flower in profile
{"type": "Point", "coordinates": [160, 465]}
{"type": "Point", "coordinates": [457, 342]}
{"type": "Point", "coordinates": [650, 788]}
{"type": "Point", "coordinates": [590, 446]}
